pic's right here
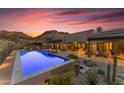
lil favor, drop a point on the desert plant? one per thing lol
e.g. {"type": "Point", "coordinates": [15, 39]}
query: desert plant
{"type": "Point", "coordinates": [115, 63]}
{"type": "Point", "coordinates": [73, 56]}
{"type": "Point", "coordinates": [62, 79]}
{"type": "Point", "coordinates": [53, 52]}
{"type": "Point", "coordinates": [108, 73]}
{"type": "Point", "coordinates": [77, 68]}
{"type": "Point", "coordinates": [100, 71]}
{"type": "Point", "coordinates": [117, 82]}
{"type": "Point", "coordinates": [91, 77]}
{"type": "Point", "coordinates": [63, 49]}
{"type": "Point", "coordinates": [89, 63]}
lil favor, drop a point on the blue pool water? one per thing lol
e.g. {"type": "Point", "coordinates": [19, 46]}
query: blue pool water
{"type": "Point", "coordinates": [33, 61]}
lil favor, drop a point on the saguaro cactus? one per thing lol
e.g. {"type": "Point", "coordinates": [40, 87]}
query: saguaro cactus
{"type": "Point", "coordinates": [115, 62]}
{"type": "Point", "coordinates": [108, 73]}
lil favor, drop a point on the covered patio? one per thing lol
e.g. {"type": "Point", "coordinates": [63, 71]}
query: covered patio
{"type": "Point", "coordinates": [104, 43]}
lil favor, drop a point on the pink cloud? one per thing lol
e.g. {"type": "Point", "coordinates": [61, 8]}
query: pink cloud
{"type": "Point", "coordinates": [36, 21]}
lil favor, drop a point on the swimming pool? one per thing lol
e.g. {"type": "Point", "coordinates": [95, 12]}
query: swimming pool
{"type": "Point", "coordinates": [35, 67]}
{"type": "Point", "coordinates": [33, 61]}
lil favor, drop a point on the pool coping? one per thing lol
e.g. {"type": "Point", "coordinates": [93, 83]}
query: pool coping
{"type": "Point", "coordinates": [17, 74]}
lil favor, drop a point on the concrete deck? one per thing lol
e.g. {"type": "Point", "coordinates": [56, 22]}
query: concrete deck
{"type": "Point", "coordinates": [6, 69]}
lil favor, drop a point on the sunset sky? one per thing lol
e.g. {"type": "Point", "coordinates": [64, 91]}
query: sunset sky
{"type": "Point", "coordinates": [35, 21]}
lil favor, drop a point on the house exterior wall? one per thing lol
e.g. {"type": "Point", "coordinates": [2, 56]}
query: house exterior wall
{"type": "Point", "coordinates": [105, 48]}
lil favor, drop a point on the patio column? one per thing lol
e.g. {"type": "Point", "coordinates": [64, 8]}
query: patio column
{"type": "Point", "coordinates": [115, 62]}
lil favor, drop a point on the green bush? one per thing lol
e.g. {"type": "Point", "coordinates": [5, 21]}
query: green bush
{"type": "Point", "coordinates": [100, 71]}
{"type": "Point", "coordinates": [62, 79]}
{"type": "Point", "coordinates": [91, 77]}
{"type": "Point", "coordinates": [73, 56]}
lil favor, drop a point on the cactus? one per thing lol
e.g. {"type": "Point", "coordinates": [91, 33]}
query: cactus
{"type": "Point", "coordinates": [77, 68]}
{"type": "Point", "coordinates": [108, 73]}
{"type": "Point", "coordinates": [115, 63]}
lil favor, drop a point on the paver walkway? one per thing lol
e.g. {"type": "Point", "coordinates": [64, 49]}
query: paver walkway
{"type": "Point", "coordinates": [6, 69]}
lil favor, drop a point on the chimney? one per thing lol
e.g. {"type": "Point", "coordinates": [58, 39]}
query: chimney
{"type": "Point", "coordinates": [99, 29]}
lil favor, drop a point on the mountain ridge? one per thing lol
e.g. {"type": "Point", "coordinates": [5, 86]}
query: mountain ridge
{"type": "Point", "coordinates": [44, 37]}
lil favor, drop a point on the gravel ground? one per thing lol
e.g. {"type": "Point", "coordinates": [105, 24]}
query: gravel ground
{"type": "Point", "coordinates": [81, 80]}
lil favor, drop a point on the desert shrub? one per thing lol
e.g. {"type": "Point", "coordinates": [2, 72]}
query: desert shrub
{"type": "Point", "coordinates": [89, 63]}
{"type": "Point", "coordinates": [77, 63]}
{"type": "Point", "coordinates": [91, 77]}
{"type": "Point", "coordinates": [63, 49]}
{"type": "Point", "coordinates": [100, 71]}
{"type": "Point", "coordinates": [62, 79]}
{"type": "Point", "coordinates": [85, 61]}
{"type": "Point", "coordinates": [73, 56]}
{"type": "Point", "coordinates": [53, 52]}
{"type": "Point", "coordinates": [77, 69]}
{"type": "Point", "coordinates": [117, 82]}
